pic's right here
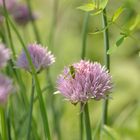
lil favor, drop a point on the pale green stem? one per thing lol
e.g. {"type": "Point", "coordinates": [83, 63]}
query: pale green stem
{"type": "Point", "coordinates": [4, 132]}
{"type": "Point", "coordinates": [87, 122]}
{"type": "Point", "coordinates": [31, 110]}
{"type": "Point", "coordinates": [83, 53]}
{"type": "Point", "coordinates": [35, 29]}
{"type": "Point", "coordinates": [107, 63]}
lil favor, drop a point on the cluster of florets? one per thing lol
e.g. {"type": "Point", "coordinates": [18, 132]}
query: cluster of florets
{"type": "Point", "coordinates": [83, 81]}
{"type": "Point", "coordinates": [20, 12]}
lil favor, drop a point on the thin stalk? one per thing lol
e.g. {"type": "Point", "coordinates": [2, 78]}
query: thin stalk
{"type": "Point", "coordinates": [4, 132]}
{"type": "Point", "coordinates": [31, 110]}
{"type": "Point", "coordinates": [84, 35]}
{"type": "Point", "coordinates": [9, 31]}
{"type": "Point", "coordinates": [107, 63]}
{"type": "Point", "coordinates": [35, 29]}
{"type": "Point", "coordinates": [55, 112]}
{"type": "Point", "coordinates": [81, 123]}
{"type": "Point", "coordinates": [53, 24]}
{"type": "Point", "coordinates": [8, 120]}
{"type": "Point", "coordinates": [87, 122]}
{"type": "Point", "coordinates": [13, 121]}
{"type": "Point", "coordinates": [83, 54]}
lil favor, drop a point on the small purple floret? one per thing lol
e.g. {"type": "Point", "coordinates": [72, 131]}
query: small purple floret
{"type": "Point", "coordinates": [6, 87]}
{"type": "Point", "coordinates": [40, 56]}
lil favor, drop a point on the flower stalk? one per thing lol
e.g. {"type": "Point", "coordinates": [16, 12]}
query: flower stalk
{"type": "Point", "coordinates": [3, 124]}
{"type": "Point", "coordinates": [31, 110]}
{"type": "Point", "coordinates": [87, 122]}
{"type": "Point", "coordinates": [83, 53]}
{"type": "Point", "coordinates": [35, 29]}
{"type": "Point", "coordinates": [107, 63]}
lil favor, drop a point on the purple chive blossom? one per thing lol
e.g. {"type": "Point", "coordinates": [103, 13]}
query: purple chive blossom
{"type": "Point", "coordinates": [6, 88]}
{"type": "Point", "coordinates": [22, 15]}
{"type": "Point", "coordinates": [4, 55]}
{"type": "Point", "coordinates": [83, 81]}
{"type": "Point", "coordinates": [41, 58]}
{"type": "Point", "coordinates": [10, 4]}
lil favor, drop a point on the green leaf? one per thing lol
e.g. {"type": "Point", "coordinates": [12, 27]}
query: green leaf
{"type": "Point", "coordinates": [101, 30]}
{"type": "Point", "coordinates": [117, 14]}
{"type": "Point", "coordinates": [110, 133]}
{"type": "Point", "coordinates": [135, 23]}
{"type": "Point", "coordinates": [103, 4]}
{"type": "Point", "coordinates": [97, 8]}
{"type": "Point", "coordinates": [112, 50]}
{"type": "Point", "coordinates": [87, 7]}
{"type": "Point", "coordinates": [117, 44]}
{"type": "Point", "coordinates": [96, 12]}
{"type": "Point", "coordinates": [120, 41]}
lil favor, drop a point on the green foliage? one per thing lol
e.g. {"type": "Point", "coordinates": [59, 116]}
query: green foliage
{"type": "Point", "coordinates": [117, 14]}
{"type": "Point", "coordinates": [87, 7]}
{"type": "Point", "coordinates": [135, 23]}
{"type": "Point", "coordinates": [94, 7]}
{"type": "Point", "coordinates": [110, 133]}
{"type": "Point", "coordinates": [120, 40]}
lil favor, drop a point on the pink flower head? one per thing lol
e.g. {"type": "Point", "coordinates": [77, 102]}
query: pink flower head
{"type": "Point", "coordinates": [4, 55]}
{"type": "Point", "coordinates": [10, 4]}
{"type": "Point", "coordinates": [41, 58]}
{"type": "Point", "coordinates": [6, 88]}
{"type": "Point", "coordinates": [22, 15]}
{"type": "Point", "coordinates": [83, 81]}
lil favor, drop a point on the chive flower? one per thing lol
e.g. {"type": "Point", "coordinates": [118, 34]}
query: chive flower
{"type": "Point", "coordinates": [40, 56]}
{"type": "Point", "coordinates": [4, 55]}
{"type": "Point", "coordinates": [6, 87]}
{"type": "Point", "coordinates": [83, 81]}
{"type": "Point", "coordinates": [9, 4]}
{"type": "Point", "coordinates": [22, 15]}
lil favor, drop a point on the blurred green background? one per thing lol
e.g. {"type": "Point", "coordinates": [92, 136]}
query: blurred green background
{"type": "Point", "coordinates": [60, 27]}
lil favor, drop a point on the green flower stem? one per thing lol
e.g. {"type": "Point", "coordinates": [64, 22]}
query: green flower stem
{"type": "Point", "coordinates": [12, 115]}
{"type": "Point", "coordinates": [3, 124]}
{"type": "Point", "coordinates": [37, 84]}
{"type": "Point", "coordinates": [83, 53]}
{"type": "Point", "coordinates": [8, 120]}
{"type": "Point", "coordinates": [81, 122]}
{"type": "Point", "coordinates": [107, 63]}
{"type": "Point", "coordinates": [35, 29]}
{"type": "Point", "coordinates": [84, 35]}
{"type": "Point", "coordinates": [55, 111]}
{"type": "Point", "coordinates": [31, 110]}
{"type": "Point", "coordinates": [87, 122]}
{"type": "Point", "coordinates": [53, 24]}
{"type": "Point", "coordinates": [9, 31]}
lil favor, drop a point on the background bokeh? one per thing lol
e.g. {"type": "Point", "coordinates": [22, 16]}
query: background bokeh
{"type": "Point", "coordinates": [60, 28]}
